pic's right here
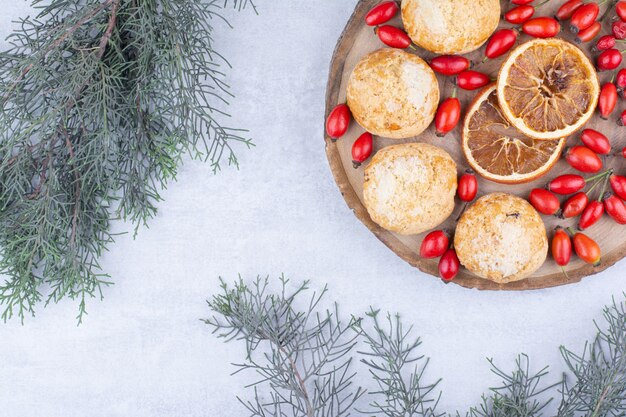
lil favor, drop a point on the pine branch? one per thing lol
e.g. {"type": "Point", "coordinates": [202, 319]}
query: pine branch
{"type": "Point", "coordinates": [305, 369]}
{"type": "Point", "coordinates": [521, 393]}
{"type": "Point", "coordinates": [100, 101]}
{"type": "Point", "coordinates": [398, 370]}
{"type": "Point", "coordinates": [599, 388]}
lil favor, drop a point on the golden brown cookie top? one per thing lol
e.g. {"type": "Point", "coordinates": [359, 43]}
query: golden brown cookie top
{"type": "Point", "coordinates": [450, 26]}
{"type": "Point", "coordinates": [393, 93]}
{"type": "Point", "coordinates": [410, 188]}
{"type": "Point", "coordinates": [502, 238]}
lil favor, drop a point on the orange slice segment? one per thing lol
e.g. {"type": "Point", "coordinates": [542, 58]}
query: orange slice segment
{"type": "Point", "coordinates": [548, 88]}
{"type": "Point", "coordinates": [498, 151]}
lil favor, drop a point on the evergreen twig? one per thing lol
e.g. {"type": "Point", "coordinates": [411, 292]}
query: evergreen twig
{"type": "Point", "coordinates": [276, 331]}
{"type": "Point", "coordinates": [99, 101]}
{"type": "Point", "coordinates": [397, 369]}
{"type": "Point", "coordinates": [521, 393]}
{"type": "Point", "coordinates": [305, 368]}
{"type": "Point", "coordinates": [599, 373]}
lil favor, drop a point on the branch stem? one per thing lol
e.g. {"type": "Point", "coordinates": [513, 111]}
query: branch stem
{"type": "Point", "coordinates": [57, 43]}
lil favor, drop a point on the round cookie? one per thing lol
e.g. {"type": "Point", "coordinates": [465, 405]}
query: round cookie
{"type": "Point", "coordinates": [410, 188]}
{"type": "Point", "coordinates": [393, 93]}
{"type": "Point", "coordinates": [502, 238]}
{"type": "Point", "coordinates": [450, 26]}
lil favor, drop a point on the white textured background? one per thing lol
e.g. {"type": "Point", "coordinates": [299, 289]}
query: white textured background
{"type": "Point", "coordinates": [143, 352]}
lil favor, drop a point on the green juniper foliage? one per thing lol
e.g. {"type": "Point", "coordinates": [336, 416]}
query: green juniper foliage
{"type": "Point", "coordinates": [99, 101]}
{"type": "Point", "coordinates": [520, 394]}
{"type": "Point", "coordinates": [291, 357]}
{"type": "Point", "coordinates": [598, 386]}
{"type": "Point", "coordinates": [392, 360]}
{"type": "Point", "coordinates": [304, 368]}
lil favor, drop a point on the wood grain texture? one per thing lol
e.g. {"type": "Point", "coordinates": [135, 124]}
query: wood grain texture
{"type": "Point", "coordinates": [356, 41]}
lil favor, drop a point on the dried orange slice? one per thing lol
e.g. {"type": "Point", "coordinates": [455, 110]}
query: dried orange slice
{"type": "Point", "coordinates": [498, 151]}
{"type": "Point", "coordinates": [548, 88]}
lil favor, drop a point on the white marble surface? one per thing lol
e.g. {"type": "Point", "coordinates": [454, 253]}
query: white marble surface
{"type": "Point", "coordinates": [143, 352]}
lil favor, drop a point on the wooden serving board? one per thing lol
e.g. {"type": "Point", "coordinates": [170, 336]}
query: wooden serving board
{"type": "Point", "coordinates": [358, 40]}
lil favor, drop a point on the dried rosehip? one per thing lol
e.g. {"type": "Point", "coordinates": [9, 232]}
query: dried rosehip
{"type": "Point", "coordinates": [544, 201]}
{"type": "Point", "coordinates": [596, 141]}
{"type": "Point", "coordinates": [434, 244]}
{"type": "Point", "coordinates": [448, 115]}
{"type": "Point", "coordinates": [587, 249]}
{"type": "Point", "coordinates": [561, 247]}
{"type": "Point", "coordinates": [614, 207]}
{"type": "Point", "coordinates": [619, 29]}
{"type": "Point", "coordinates": [468, 187]}
{"type": "Point", "coordinates": [605, 42]}
{"type": "Point", "coordinates": [382, 13]}
{"type": "Point", "coordinates": [618, 184]}
{"type": "Point", "coordinates": [338, 121]}
{"type": "Point", "coordinates": [575, 205]}
{"type": "Point", "coordinates": [449, 265]}
{"type": "Point", "coordinates": [541, 27]}
{"type": "Point", "coordinates": [500, 43]}
{"type": "Point", "coordinates": [584, 17]}
{"type": "Point", "coordinates": [362, 149]}
{"type": "Point", "coordinates": [589, 34]}
{"type": "Point", "coordinates": [567, 9]}
{"type": "Point", "coordinates": [566, 184]}
{"type": "Point", "coordinates": [583, 159]}
{"type": "Point", "coordinates": [450, 64]}
{"type": "Point", "coordinates": [393, 36]}
{"type": "Point", "coordinates": [607, 100]}
{"type": "Point", "coordinates": [519, 14]}
{"type": "Point", "coordinates": [472, 80]}
{"type": "Point", "coordinates": [591, 215]}
{"type": "Point", "coordinates": [609, 60]}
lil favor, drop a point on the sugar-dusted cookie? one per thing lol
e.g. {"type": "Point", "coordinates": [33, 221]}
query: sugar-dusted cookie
{"type": "Point", "coordinates": [502, 238]}
{"type": "Point", "coordinates": [393, 93]}
{"type": "Point", "coordinates": [410, 188]}
{"type": "Point", "coordinates": [450, 26]}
